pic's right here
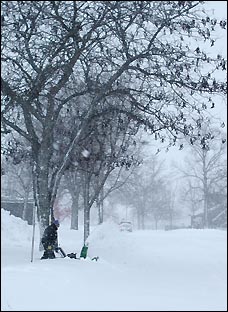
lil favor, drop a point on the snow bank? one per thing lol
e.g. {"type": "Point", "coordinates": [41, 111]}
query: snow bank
{"type": "Point", "coordinates": [16, 231]}
{"type": "Point", "coordinates": [107, 241]}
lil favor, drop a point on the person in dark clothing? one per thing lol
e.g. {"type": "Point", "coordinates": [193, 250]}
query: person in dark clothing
{"type": "Point", "coordinates": [50, 240]}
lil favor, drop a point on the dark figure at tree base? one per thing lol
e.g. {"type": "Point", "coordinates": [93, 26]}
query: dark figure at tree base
{"type": "Point", "coordinates": [50, 240]}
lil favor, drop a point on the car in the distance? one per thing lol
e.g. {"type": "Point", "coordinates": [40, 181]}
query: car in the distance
{"type": "Point", "coordinates": [126, 226]}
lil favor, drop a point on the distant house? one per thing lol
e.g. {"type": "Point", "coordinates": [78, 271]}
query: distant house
{"type": "Point", "coordinates": [216, 219]}
{"type": "Point", "coordinates": [16, 208]}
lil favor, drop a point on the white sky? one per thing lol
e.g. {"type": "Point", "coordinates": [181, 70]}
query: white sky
{"type": "Point", "coordinates": [181, 270]}
{"type": "Point", "coordinates": [219, 7]}
{"type": "Point", "coordinates": [218, 10]}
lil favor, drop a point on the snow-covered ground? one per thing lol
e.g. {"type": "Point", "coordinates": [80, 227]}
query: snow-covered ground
{"type": "Point", "coordinates": [180, 270]}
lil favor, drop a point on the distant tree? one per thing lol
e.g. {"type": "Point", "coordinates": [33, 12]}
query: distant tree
{"type": "Point", "coordinates": [105, 144]}
{"type": "Point", "coordinates": [163, 203]}
{"type": "Point", "coordinates": [72, 182]}
{"type": "Point", "coordinates": [145, 193]}
{"type": "Point", "coordinates": [190, 196]}
{"type": "Point", "coordinates": [107, 148]}
{"type": "Point", "coordinates": [119, 176]}
{"type": "Point", "coordinates": [62, 209]}
{"type": "Point", "coordinates": [59, 54]}
{"type": "Point", "coordinates": [206, 169]}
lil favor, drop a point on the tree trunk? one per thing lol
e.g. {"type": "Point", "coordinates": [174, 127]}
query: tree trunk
{"type": "Point", "coordinates": [170, 217]}
{"type": "Point", "coordinates": [205, 215]}
{"type": "Point", "coordinates": [143, 217]}
{"type": "Point", "coordinates": [100, 206]}
{"type": "Point", "coordinates": [143, 222]}
{"type": "Point", "coordinates": [86, 206]}
{"type": "Point", "coordinates": [86, 223]}
{"type": "Point", "coordinates": [41, 188]}
{"type": "Point", "coordinates": [205, 194]}
{"type": "Point", "coordinates": [139, 219]}
{"type": "Point", "coordinates": [156, 224]}
{"type": "Point", "coordinates": [74, 211]}
{"type": "Point", "coordinates": [44, 210]}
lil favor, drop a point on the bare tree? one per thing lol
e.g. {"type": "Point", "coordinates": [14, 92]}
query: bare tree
{"type": "Point", "coordinates": [191, 196]}
{"type": "Point", "coordinates": [145, 191]}
{"type": "Point", "coordinates": [106, 149]}
{"type": "Point", "coordinates": [56, 53]}
{"type": "Point", "coordinates": [206, 171]}
{"type": "Point", "coordinates": [72, 182]}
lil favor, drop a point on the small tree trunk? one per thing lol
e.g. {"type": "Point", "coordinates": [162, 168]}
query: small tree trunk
{"type": "Point", "coordinates": [156, 224]}
{"type": "Point", "coordinates": [143, 217]}
{"type": "Point", "coordinates": [139, 219]}
{"type": "Point", "coordinates": [100, 207]}
{"type": "Point", "coordinates": [205, 193]}
{"type": "Point", "coordinates": [86, 223]}
{"type": "Point", "coordinates": [170, 217]}
{"type": "Point", "coordinates": [74, 211]}
{"type": "Point", "coordinates": [86, 207]}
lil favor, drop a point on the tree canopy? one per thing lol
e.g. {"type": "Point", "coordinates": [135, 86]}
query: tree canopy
{"type": "Point", "coordinates": [143, 59]}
